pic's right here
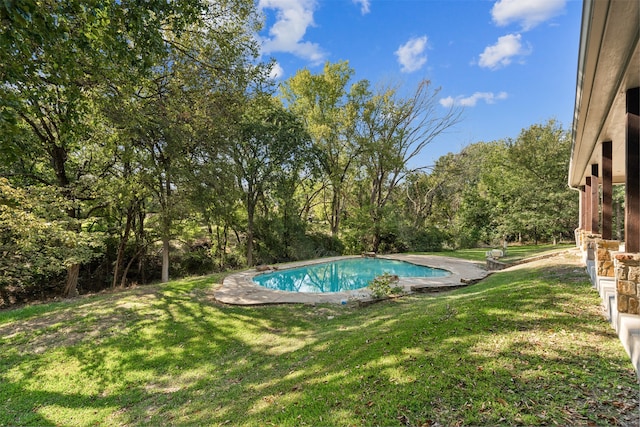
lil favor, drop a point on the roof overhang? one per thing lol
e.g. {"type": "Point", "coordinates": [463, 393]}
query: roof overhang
{"type": "Point", "coordinates": [608, 65]}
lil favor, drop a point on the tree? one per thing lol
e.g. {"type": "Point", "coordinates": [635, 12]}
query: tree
{"type": "Point", "coordinates": [503, 190]}
{"type": "Point", "coordinates": [38, 240]}
{"type": "Point", "coordinates": [452, 198]}
{"type": "Point", "coordinates": [328, 109]}
{"type": "Point", "coordinates": [57, 59]}
{"type": "Point", "coordinates": [541, 154]}
{"type": "Point", "coordinates": [271, 142]}
{"type": "Point", "coordinates": [394, 131]}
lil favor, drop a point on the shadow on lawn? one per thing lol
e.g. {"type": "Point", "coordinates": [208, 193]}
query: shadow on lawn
{"type": "Point", "coordinates": [492, 352]}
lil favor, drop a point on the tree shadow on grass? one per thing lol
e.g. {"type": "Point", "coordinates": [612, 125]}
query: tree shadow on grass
{"type": "Point", "coordinates": [493, 353]}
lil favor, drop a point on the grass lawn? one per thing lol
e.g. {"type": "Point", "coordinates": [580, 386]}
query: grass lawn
{"type": "Point", "coordinates": [514, 253]}
{"type": "Point", "coordinates": [526, 346]}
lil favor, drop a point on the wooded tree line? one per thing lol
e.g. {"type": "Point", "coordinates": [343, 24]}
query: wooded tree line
{"type": "Point", "coordinates": [139, 143]}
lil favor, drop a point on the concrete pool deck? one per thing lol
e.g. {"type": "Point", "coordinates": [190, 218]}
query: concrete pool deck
{"type": "Point", "coordinates": [239, 288]}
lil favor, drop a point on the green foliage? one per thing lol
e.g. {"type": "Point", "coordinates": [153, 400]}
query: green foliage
{"type": "Point", "coordinates": [503, 190]}
{"type": "Point", "coordinates": [269, 152]}
{"type": "Point", "coordinates": [428, 239]}
{"type": "Point", "coordinates": [394, 130]}
{"type": "Point", "coordinates": [381, 286]}
{"type": "Point", "coordinates": [329, 110]}
{"type": "Point", "coordinates": [38, 240]}
{"type": "Point", "coordinates": [196, 261]}
{"type": "Point", "coordinates": [109, 104]}
{"type": "Point", "coordinates": [154, 126]}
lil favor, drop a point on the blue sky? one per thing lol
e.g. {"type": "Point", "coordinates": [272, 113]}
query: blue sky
{"type": "Point", "coordinates": [508, 63]}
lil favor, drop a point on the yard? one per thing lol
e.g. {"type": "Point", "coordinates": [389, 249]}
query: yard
{"type": "Point", "coordinates": [526, 346]}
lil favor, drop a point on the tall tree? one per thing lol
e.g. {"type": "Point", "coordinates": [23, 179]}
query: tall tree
{"type": "Point", "coordinates": [394, 131]}
{"type": "Point", "coordinates": [38, 240]}
{"type": "Point", "coordinates": [271, 142]}
{"type": "Point", "coordinates": [326, 103]}
{"type": "Point", "coordinates": [541, 154]}
{"type": "Point", "coordinates": [504, 190]}
{"type": "Point", "coordinates": [174, 114]}
{"type": "Point", "coordinates": [58, 58]}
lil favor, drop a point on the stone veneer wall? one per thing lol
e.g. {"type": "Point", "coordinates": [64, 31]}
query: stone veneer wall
{"type": "Point", "coordinates": [628, 283]}
{"type": "Point", "coordinates": [604, 257]}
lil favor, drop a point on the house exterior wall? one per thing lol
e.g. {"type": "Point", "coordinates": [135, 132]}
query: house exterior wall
{"type": "Point", "coordinates": [606, 137]}
{"type": "Point", "coordinates": [628, 282]}
{"type": "Point", "coordinates": [605, 257]}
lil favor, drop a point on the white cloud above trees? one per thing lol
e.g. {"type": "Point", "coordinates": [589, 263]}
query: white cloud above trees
{"type": "Point", "coordinates": [501, 54]}
{"type": "Point", "coordinates": [471, 101]}
{"type": "Point", "coordinates": [293, 17]}
{"type": "Point", "coordinates": [411, 56]}
{"type": "Point", "coordinates": [528, 13]}
{"type": "Point", "coordinates": [276, 71]}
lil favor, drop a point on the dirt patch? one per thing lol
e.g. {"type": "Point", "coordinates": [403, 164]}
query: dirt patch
{"type": "Point", "coordinates": [79, 322]}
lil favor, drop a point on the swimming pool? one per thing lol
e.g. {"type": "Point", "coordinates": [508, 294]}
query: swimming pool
{"type": "Point", "coordinates": [341, 275]}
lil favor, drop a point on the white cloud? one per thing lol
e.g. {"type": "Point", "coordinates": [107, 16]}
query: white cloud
{"type": "Point", "coordinates": [500, 54]}
{"type": "Point", "coordinates": [471, 101]}
{"type": "Point", "coordinates": [447, 102]}
{"type": "Point", "coordinates": [293, 17]}
{"type": "Point", "coordinates": [411, 54]}
{"type": "Point", "coordinates": [365, 6]}
{"type": "Point", "coordinates": [276, 71]}
{"type": "Point", "coordinates": [529, 13]}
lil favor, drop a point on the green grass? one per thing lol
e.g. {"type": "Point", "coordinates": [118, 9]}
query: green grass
{"type": "Point", "coordinates": [525, 347]}
{"type": "Point", "coordinates": [514, 253]}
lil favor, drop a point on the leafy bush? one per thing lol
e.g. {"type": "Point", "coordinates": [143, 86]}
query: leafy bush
{"type": "Point", "coordinates": [380, 287]}
{"type": "Point", "coordinates": [196, 261]}
{"type": "Point", "coordinates": [428, 239]}
{"type": "Point", "coordinates": [38, 240]}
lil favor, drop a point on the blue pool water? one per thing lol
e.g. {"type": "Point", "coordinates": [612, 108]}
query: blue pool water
{"type": "Point", "coordinates": [343, 275]}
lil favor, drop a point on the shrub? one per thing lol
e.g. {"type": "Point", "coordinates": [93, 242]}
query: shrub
{"type": "Point", "coordinates": [429, 239]}
{"type": "Point", "coordinates": [380, 287]}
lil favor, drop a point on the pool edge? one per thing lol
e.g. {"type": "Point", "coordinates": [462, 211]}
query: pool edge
{"type": "Point", "coordinates": [239, 288]}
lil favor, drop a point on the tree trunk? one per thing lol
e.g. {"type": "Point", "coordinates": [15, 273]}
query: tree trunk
{"type": "Point", "coordinates": [142, 274]}
{"type": "Point", "coordinates": [221, 245]}
{"type": "Point", "coordinates": [223, 253]}
{"type": "Point", "coordinates": [286, 233]}
{"type": "Point", "coordinates": [166, 238]}
{"type": "Point", "coordinates": [165, 258]}
{"type": "Point", "coordinates": [213, 253]}
{"type": "Point", "coordinates": [335, 213]}
{"type": "Point", "coordinates": [166, 224]}
{"type": "Point", "coordinates": [123, 282]}
{"type": "Point", "coordinates": [375, 219]}
{"type": "Point", "coordinates": [71, 285]}
{"type": "Point", "coordinates": [121, 247]}
{"type": "Point", "coordinates": [219, 248]}
{"type": "Point", "coordinates": [376, 241]}
{"type": "Point", "coordinates": [250, 215]}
